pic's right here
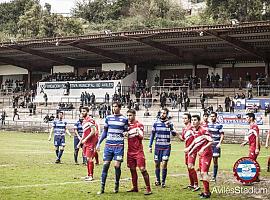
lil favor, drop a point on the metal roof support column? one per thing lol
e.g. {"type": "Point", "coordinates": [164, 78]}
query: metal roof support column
{"type": "Point", "coordinates": [29, 79]}
{"type": "Point", "coordinates": [267, 68]}
{"type": "Point", "coordinates": [194, 70]}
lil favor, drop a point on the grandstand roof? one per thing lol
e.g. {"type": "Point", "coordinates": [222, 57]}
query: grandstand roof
{"type": "Point", "coordinates": [207, 45]}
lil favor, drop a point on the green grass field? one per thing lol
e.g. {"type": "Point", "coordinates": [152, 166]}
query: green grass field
{"type": "Point", "coordinates": [27, 171]}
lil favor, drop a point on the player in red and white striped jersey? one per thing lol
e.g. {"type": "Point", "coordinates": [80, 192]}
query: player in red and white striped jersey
{"type": "Point", "coordinates": [135, 154]}
{"type": "Point", "coordinates": [253, 137]}
{"type": "Point", "coordinates": [188, 136]}
{"type": "Point", "coordinates": [89, 141]}
{"type": "Point", "coordinates": [202, 145]}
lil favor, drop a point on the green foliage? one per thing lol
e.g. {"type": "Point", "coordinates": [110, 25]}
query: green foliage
{"type": "Point", "coordinates": [248, 10]}
{"type": "Point", "coordinates": [27, 19]}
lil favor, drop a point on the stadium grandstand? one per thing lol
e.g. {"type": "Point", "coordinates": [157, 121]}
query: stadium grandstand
{"type": "Point", "coordinates": [194, 69]}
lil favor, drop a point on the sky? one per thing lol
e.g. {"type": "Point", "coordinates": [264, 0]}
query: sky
{"type": "Point", "coordinates": [58, 6]}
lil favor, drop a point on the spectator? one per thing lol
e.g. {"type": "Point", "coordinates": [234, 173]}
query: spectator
{"type": "Point", "coordinates": [227, 104]}
{"type": "Point", "coordinates": [232, 105]}
{"type": "Point", "coordinates": [243, 96]}
{"type": "Point", "coordinates": [202, 99]}
{"type": "Point", "coordinates": [107, 98]}
{"type": "Point", "coordinates": [219, 109]}
{"type": "Point", "coordinates": [15, 113]}
{"type": "Point", "coordinates": [3, 117]}
{"type": "Point", "coordinates": [208, 80]}
{"type": "Point", "coordinates": [240, 83]}
{"type": "Point", "coordinates": [217, 77]}
{"type": "Point", "coordinates": [45, 99]}
{"type": "Point", "coordinates": [237, 96]}
{"type": "Point", "coordinates": [267, 110]}
{"type": "Point", "coordinates": [250, 96]}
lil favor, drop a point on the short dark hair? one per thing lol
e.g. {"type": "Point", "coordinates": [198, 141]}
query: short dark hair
{"type": "Point", "coordinates": [196, 116]}
{"type": "Point", "coordinates": [119, 105]}
{"type": "Point", "coordinates": [166, 110]}
{"type": "Point", "coordinates": [214, 113]}
{"type": "Point", "coordinates": [188, 115]}
{"type": "Point", "coordinates": [206, 114]}
{"type": "Point", "coordinates": [85, 108]}
{"type": "Point", "coordinates": [60, 112]}
{"type": "Point", "coordinates": [251, 115]}
{"type": "Point", "coordinates": [132, 111]}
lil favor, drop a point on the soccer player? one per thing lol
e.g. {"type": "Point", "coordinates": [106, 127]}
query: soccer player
{"type": "Point", "coordinates": [266, 146]}
{"type": "Point", "coordinates": [135, 154]}
{"type": "Point", "coordinates": [188, 137]}
{"type": "Point", "coordinates": [216, 131]}
{"type": "Point", "coordinates": [89, 141]}
{"type": "Point", "coordinates": [202, 144]}
{"type": "Point", "coordinates": [162, 130]}
{"type": "Point", "coordinates": [114, 128]}
{"type": "Point", "coordinates": [205, 122]}
{"type": "Point", "coordinates": [59, 129]}
{"type": "Point", "coordinates": [253, 137]}
{"type": "Point", "coordinates": [78, 130]}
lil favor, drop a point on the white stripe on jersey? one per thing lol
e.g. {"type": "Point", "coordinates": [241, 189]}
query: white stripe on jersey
{"type": "Point", "coordinates": [115, 137]}
{"type": "Point", "coordinates": [163, 129]}
{"type": "Point", "coordinates": [116, 123]}
{"type": "Point", "coordinates": [113, 130]}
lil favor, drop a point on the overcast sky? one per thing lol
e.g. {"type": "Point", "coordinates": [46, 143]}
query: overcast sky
{"type": "Point", "coordinates": [58, 6]}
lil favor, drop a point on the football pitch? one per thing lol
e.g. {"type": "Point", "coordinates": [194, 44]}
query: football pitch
{"type": "Point", "coordinates": [28, 171]}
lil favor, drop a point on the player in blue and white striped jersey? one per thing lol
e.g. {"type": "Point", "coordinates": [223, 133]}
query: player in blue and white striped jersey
{"type": "Point", "coordinates": [59, 129]}
{"type": "Point", "coordinates": [114, 128]}
{"type": "Point", "coordinates": [78, 130]}
{"type": "Point", "coordinates": [162, 130]}
{"type": "Point", "coordinates": [217, 133]}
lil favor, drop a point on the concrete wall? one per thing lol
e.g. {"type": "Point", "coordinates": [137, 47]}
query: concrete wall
{"type": "Point", "coordinates": [63, 69]}
{"type": "Point", "coordinates": [113, 66]}
{"type": "Point", "coordinates": [127, 81]}
{"type": "Point", "coordinates": [151, 74]}
{"type": "Point", "coordinates": [12, 70]}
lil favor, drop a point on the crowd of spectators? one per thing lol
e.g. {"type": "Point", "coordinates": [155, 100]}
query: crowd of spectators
{"type": "Point", "coordinates": [13, 85]}
{"type": "Point", "coordinates": [93, 76]}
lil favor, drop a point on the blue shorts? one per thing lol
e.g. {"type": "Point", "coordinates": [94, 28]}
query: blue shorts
{"type": "Point", "coordinates": [76, 142]}
{"type": "Point", "coordinates": [216, 151]}
{"type": "Point", "coordinates": [113, 152]}
{"type": "Point", "coordinates": [162, 154]}
{"type": "Point", "coordinates": [59, 141]}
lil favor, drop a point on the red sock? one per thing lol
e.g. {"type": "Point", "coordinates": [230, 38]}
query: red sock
{"type": "Point", "coordinates": [194, 176]}
{"type": "Point", "coordinates": [134, 176]}
{"type": "Point", "coordinates": [96, 157]}
{"type": "Point", "coordinates": [206, 187]}
{"type": "Point", "coordinates": [146, 180]}
{"type": "Point", "coordinates": [190, 177]}
{"type": "Point", "coordinates": [90, 168]}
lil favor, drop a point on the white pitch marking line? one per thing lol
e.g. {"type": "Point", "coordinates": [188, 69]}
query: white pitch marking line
{"type": "Point", "coordinates": [7, 165]}
{"type": "Point", "coordinates": [75, 182]}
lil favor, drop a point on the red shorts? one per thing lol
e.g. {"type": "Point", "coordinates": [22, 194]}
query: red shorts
{"type": "Point", "coordinates": [205, 162]}
{"type": "Point", "coordinates": [137, 160]}
{"type": "Point", "coordinates": [89, 151]}
{"type": "Point", "coordinates": [191, 159]}
{"type": "Point", "coordinates": [253, 155]}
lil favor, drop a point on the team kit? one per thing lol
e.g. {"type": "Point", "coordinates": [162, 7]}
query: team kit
{"type": "Point", "coordinates": [202, 137]}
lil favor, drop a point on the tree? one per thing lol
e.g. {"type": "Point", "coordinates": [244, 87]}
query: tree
{"type": "Point", "coordinates": [29, 22]}
{"type": "Point", "coordinates": [248, 10]}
